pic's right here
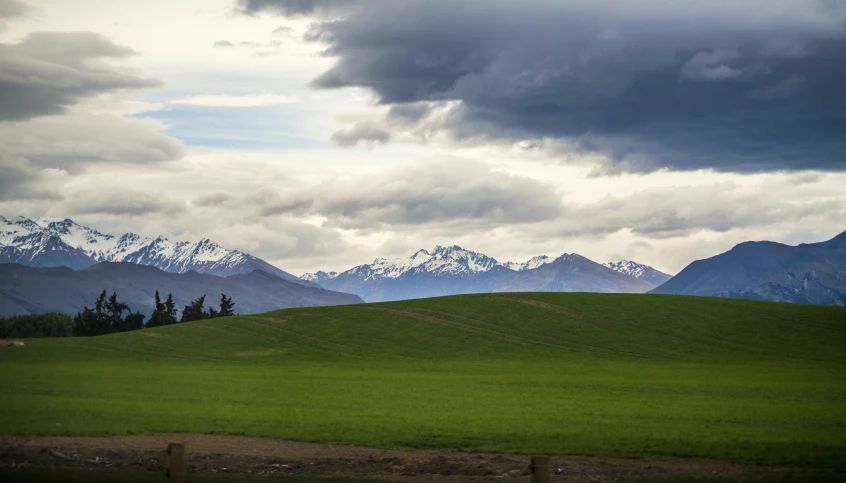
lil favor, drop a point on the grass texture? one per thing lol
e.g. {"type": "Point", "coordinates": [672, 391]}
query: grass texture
{"type": "Point", "coordinates": [640, 376]}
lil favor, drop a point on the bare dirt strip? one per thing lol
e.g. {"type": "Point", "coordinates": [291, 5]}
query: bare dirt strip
{"type": "Point", "coordinates": [261, 456]}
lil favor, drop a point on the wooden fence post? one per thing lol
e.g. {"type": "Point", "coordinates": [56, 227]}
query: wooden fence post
{"type": "Point", "coordinates": [177, 472]}
{"type": "Point", "coordinates": [540, 469]}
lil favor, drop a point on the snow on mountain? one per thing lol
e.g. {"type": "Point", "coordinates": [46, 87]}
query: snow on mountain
{"type": "Point", "coordinates": [452, 260]}
{"type": "Point", "coordinates": [532, 263]}
{"type": "Point", "coordinates": [455, 270]}
{"type": "Point", "coordinates": [448, 270]}
{"type": "Point", "coordinates": [638, 270]}
{"type": "Point", "coordinates": [55, 243]}
{"type": "Point", "coordinates": [319, 276]}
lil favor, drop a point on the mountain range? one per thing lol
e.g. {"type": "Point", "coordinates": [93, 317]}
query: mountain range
{"type": "Point", "coordinates": [455, 270]}
{"type": "Point", "coordinates": [809, 273]}
{"type": "Point", "coordinates": [813, 273]}
{"type": "Point", "coordinates": [44, 243]}
{"type": "Point", "coordinates": [30, 290]}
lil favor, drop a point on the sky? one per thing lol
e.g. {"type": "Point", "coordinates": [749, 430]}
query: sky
{"type": "Point", "coordinates": [322, 134]}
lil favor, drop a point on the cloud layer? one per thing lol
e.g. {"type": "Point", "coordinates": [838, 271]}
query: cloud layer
{"type": "Point", "coordinates": [13, 9]}
{"type": "Point", "coordinates": [742, 86]}
{"type": "Point", "coordinates": [479, 107]}
{"type": "Point", "coordinates": [48, 71]}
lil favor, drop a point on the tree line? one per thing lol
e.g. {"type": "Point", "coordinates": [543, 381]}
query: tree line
{"type": "Point", "coordinates": [109, 316]}
{"type": "Point", "coordinates": [37, 325]}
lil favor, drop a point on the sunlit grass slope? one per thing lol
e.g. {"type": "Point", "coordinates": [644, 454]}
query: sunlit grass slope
{"type": "Point", "coordinates": [624, 375]}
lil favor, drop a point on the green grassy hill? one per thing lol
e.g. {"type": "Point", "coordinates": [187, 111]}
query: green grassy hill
{"type": "Point", "coordinates": [624, 375]}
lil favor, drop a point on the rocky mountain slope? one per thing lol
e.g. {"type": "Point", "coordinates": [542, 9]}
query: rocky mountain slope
{"type": "Point", "coordinates": [25, 290]}
{"type": "Point", "coordinates": [65, 243]}
{"type": "Point", "coordinates": [809, 273]}
{"type": "Point", "coordinates": [455, 270]}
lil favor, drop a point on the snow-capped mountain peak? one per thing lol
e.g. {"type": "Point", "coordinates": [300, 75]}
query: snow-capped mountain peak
{"type": "Point", "coordinates": [456, 260]}
{"type": "Point", "coordinates": [452, 260]}
{"type": "Point", "coordinates": [530, 264]}
{"type": "Point", "coordinates": [64, 242]}
{"type": "Point", "coordinates": [449, 262]}
{"type": "Point", "coordinates": [318, 276]}
{"type": "Point", "coordinates": [628, 267]}
{"type": "Point", "coordinates": [449, 270]}
{"type": "Point", "coordinates": [638, 270]}
{"type": "Point", "coordinates": [443, 260]}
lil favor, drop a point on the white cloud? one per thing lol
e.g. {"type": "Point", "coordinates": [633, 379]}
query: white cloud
{"type": "Point", "coordinates": [78, 137]}
{"type": "Point", "coordinates": [227, 100]}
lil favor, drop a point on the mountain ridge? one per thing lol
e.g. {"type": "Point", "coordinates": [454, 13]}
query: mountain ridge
{"type": "Point", "coordinates": [25, 290]}
{"type": "Point", "coordinates": [45, 243]}
{"type": "Point", "coordinates": [639, 270]}
{"type": "Point", "coordinates": [450, 270]}
{"type": "Point", "coordinates": [811, 273]}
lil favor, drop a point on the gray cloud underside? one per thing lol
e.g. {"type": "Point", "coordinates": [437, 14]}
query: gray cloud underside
{"type": "Point", "coordinates": [75, 139]}
{"type": "Point", "coordinates": [421, 194]}
{"type": "Point", "coordinates": [659, 213]}
{"type": "Point", "coordinates": [363, 131]}
{"type": "Point", "coordinates": [48, 71]}
{"type": "Point", "coordinates": [742, 86]}
{"type": "Point", "coordinates": [122, 203]}
{"type": "Point", "coordinates": [13, 9]}
{"type": "Point", "coordinates": [454, 198]}
{"type": "Point", "coordinates": [20, 180]}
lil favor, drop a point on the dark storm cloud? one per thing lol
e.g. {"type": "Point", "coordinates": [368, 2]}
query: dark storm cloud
{"type": "Point", "coordinates": [48, 71]}
{"type": "Point", "coordinates": [741, 86]}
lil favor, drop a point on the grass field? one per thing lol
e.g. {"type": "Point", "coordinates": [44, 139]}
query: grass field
{"type": "Point", "coordinates": [617, 375]}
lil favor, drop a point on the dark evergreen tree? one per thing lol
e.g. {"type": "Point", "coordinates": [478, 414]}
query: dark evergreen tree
{"type": "Point", "coordinates": [133, 321]}
{"type": "Point", "coordinates": [157, 319]}
{"type": "Point", "coordinates": [170, 308]}
{"type": "Point", "coordinates": [160, 307]}
{"type": "Point", "coordinates": [106, 318]}
{"type": "Point", "coordinates": [100, 323]}
{"type": "Point", "coordinates": [165, 313]}
{"type": "Point", "coordinates": [100, 304]}
{"type": "Point", "coordinates": [92, 322]}
{"type": "Point", "coordinates": [85, 323]}
{"type": "Point", "coordinates": [226, 306]}
{"type": "Point", "coordinates": [195, 311]}
{"type": "Point", "coordinates": [115, 309]}
{"type": "Point", "coordinates": [212, 314]}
